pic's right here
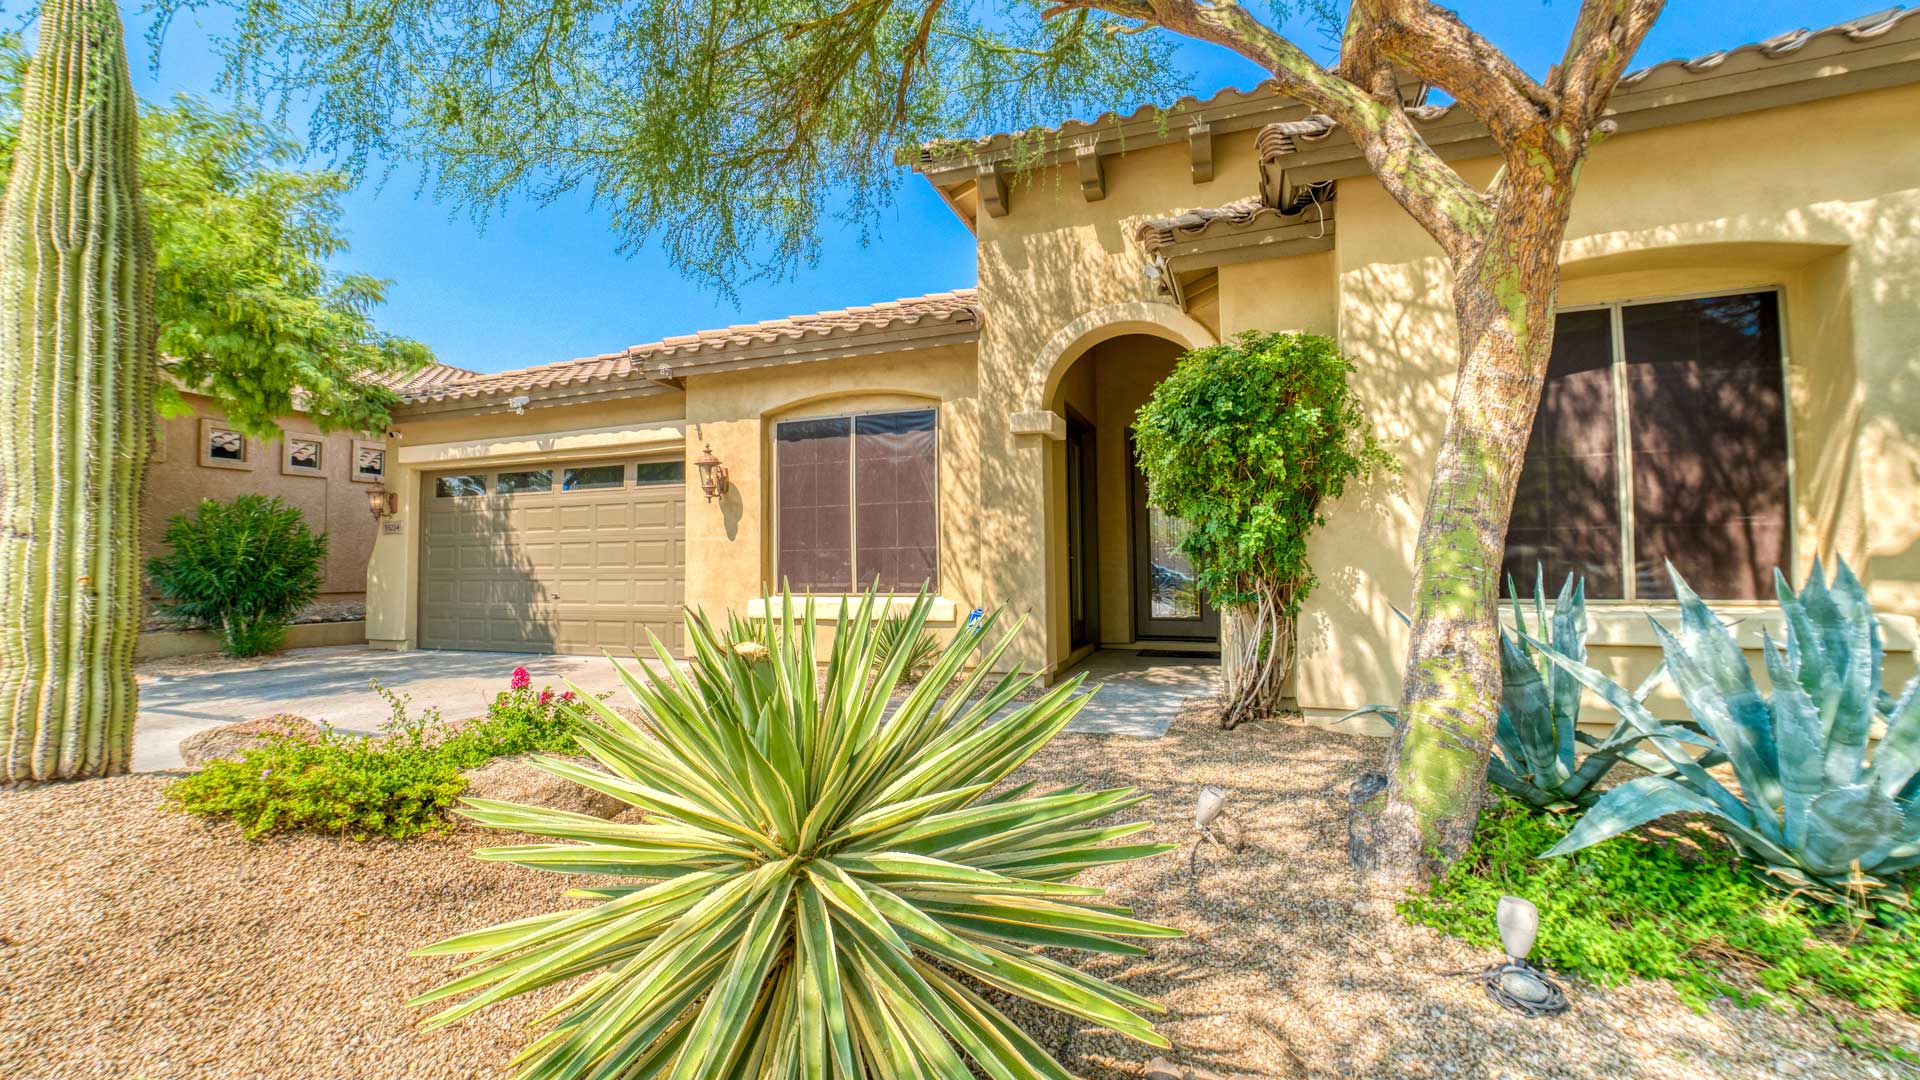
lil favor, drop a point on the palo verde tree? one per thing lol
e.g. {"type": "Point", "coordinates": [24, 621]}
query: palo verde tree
{"type": "Point", "coordinates": [668, 110]}
{"type": "Point", "coordinates": [251, 314]}
{"type": "Point", "coordinates": [77, 363]}
{"type": "Point", "coordinates": [1244, 442]}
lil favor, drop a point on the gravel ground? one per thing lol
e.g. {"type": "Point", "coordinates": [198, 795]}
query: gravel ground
{"type": "Point", "coordinates": [140, 944]}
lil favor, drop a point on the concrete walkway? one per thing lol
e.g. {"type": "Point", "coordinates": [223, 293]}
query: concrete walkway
{"type": "Point", "coordinates": [1138, 697]}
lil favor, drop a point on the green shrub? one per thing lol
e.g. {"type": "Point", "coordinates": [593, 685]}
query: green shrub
{"type": "Point", "coordinates": [1632, 906]}
{"type": "Point", "coordinates": [1245, 442]}
{"type": "Point", "coordinates": [895, 633]}
{"type": "Point", "coordinates": [396, 786]}
{"type": "Point", "coordinates": [242, 569]}
{"type": "Point", "coordinates": [812, 872]}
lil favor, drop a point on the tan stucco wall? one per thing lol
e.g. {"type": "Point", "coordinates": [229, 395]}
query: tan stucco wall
{"type": "Point", "coordinates": [1706, 206]}
{"type": "Point", "coordinates": [1839, 234]}
{"type": "Point", "coordinates": [331, 502]}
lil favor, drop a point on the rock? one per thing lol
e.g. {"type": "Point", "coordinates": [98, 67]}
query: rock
{"type": "Point", "coordinates": [1161, 1069]}
{"type": "Point", "coordinates": [1788, 1067]}
{"type": "Point", "coordinates": [229, 741]}
{"type": "Point", "coordinates": [516, 780]}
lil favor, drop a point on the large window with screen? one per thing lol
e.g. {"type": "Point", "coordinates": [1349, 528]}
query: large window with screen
{"type": "Point", "coordinates": [855, 502]}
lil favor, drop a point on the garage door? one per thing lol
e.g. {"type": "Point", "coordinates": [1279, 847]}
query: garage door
{"type": "Point", "coordinates": [569, 557]}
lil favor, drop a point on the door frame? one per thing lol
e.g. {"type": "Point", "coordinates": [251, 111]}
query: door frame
{"type": "Point", "coordinates": [1140, 552]}
{"type": "Point", "coordinates": [1082, 529]}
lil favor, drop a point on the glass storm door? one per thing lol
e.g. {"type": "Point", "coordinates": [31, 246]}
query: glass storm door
{"type": "Point", "coordinates": [1168, 600]}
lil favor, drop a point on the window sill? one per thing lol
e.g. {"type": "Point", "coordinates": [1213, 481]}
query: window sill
{"type": "Point", "coordinates": [1625, 625]}
{"type": "Point", "coordinates": [832, 608]}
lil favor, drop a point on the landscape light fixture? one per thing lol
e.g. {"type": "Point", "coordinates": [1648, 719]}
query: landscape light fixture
{"type": "Point", "coordinates": [1516, 984]}
{"type": "Point", "coordinates": [382, 503]}
{"type": "Point", "coordinates": [713, 475]}
{"type": "Point", "coordinates": [1211, 823]}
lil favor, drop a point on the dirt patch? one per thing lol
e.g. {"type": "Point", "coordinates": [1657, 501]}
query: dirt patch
{"type": "Point", "coordinates": [138, 942]}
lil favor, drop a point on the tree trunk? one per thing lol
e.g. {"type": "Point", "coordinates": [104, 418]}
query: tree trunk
{"type": "Point", "coordinates": [1504, 295]}
{"type": "Point", "coordinates": [77, 334]}
{"type": "Point", "coordinates": [1257, 646]}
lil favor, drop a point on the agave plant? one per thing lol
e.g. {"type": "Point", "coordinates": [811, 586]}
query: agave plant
{"type": "Point", "coordinates": [1819, 812]}
{"type": "Point", "coordinates": [822, 887]}
{"type": "Point", "coordinates": [1537, 741]}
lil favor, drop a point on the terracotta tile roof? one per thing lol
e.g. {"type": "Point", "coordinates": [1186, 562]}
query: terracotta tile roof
{"type": "Point", "coordinates": [1858, 30]}
{"type": "Point", "coordinates": [429, 376]}
{"type": "Point", "coordinates": [1279, 139]}
{"type": "Point", "coordinates": [663, 359]}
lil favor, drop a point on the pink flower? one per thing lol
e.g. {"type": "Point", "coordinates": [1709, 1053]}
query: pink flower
{"type": "Point", "coordinates": [568, 696]}
{"type": "Point", "coordinates": [546, 696]}
{"type": "Point", "coordinates": [521, 680]}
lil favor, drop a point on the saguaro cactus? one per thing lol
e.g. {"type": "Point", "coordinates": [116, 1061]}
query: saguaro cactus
{"type": "Point", "coordinates": [77, 336]}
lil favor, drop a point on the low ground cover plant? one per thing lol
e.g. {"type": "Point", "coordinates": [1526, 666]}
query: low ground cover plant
{"type": "Point", "coordinates": [401, 784]}
{"type": "Point", "coordinates": [822, 882]}
{"type": "Point", "coordinates": [242, 569]}
{"type": "Point", "coordinates": [1697, 916]}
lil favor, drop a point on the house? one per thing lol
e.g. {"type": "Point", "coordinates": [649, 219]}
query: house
{"type": "Point", "coordinates": [1735, 385]}
{"type": "Point", "coordinates": [198, 456]}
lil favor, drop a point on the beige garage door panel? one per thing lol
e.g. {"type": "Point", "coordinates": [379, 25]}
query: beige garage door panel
{"type": "Point", "coordinates": [579, 571]}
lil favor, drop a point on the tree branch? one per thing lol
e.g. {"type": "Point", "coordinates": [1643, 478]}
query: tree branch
{"type": "Point", "coordinates": [1433, 44]}
{"type": "Point", "coordinates": [1606, 34]}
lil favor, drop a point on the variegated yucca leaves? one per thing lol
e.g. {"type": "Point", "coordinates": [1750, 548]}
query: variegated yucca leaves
{"type": "Point", "coordinates": [822, 880]}
{"type": "Point", "coordinates": [1822, 812]}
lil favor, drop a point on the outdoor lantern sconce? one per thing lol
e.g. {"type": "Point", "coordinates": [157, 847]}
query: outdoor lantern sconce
{"type": "Point", "coordinates": [713, 475]}
{"type": "Point", "coordinates": [1516, 984]}
{"type": "Point", "coordinates": [382, 503]}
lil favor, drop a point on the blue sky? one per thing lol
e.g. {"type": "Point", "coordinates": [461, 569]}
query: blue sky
{"type": "Point", "coordinates": [545, 283]}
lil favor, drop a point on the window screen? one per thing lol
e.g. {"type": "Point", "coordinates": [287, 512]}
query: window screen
{"type": "Point", "coordinates": [855, 502]}
{"type": "Point", "coordinates": [1696, 386]}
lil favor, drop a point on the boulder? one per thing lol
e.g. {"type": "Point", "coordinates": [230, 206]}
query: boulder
{"type": "Point", "coordinates": [515, 779]}
{"type": "Point", "coordinates": [229, 741]}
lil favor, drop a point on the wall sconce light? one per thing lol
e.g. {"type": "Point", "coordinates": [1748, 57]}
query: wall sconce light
{"type": "Point", "coordinates": [713, 475]}
{"type": "Point", "coordinates": [382, 503]}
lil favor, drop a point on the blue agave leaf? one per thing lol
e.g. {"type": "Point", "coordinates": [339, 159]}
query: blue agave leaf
{"type": "Point", "coordinates": [1799, 729]}
{"type": "Point", "coordinates": [1629, 806]}
{"type": "Point", "coordinates": [1570, 637]}
{"type": "Point", "coordinates": [1896, 760]}
{"type": "Point", "coordinates": [1504, 778]}
{"type": "Point", "coordinates": [1858, 677]}
{"type": "Point", "coordinates": [1726, 803]}
{"type": "Point", "coordinates": [1527, 713]}
{"type": "Point", "coordinates": [1713, 678]}
{"type": "Point", "coordinates": [1845, 825]}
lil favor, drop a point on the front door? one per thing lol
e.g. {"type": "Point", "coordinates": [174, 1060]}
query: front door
{"type": "Point", "coordinates": [1168, 600]}
{"type": "Point", "coordinates": [1083, 590]}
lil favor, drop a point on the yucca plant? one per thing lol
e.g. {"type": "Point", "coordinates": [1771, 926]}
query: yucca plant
{"type": "Point", "coordinates": [1815, 809]}
{"type": "Point", "coordinates": [896, 633]}
{"type": "Point", "coordinates": [822, 885]}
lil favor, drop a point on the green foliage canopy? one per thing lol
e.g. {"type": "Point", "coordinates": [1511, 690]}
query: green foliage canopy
{"type": "Point", "coordinates": [727, 132]}
{"type": "Point", "coordinates": [243, 568]}
{"type": "Point", "coordinates": [1244, 442]}
{"type": "Point", "coordinates": [250, 314]}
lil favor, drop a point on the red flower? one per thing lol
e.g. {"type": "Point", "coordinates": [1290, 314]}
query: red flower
{"type": "Point", "coordinates": [568, 696]}
{"type": "Point", "coordinates": [521, 680]}
{"type": "Point", "coordinates": [546, 696]}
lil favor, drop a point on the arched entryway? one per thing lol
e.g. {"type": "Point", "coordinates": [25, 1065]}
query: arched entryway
{"type": "Point", "coordinates": [1118, 580]}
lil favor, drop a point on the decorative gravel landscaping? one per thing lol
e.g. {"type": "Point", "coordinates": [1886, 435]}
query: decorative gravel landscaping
{"type": "Point", "coordinates": [138, 941]}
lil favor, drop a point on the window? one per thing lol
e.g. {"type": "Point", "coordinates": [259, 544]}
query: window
{"type": "Point", "coordinates": [660, 472]}
{"type": "Point", "coordinates": [459, 487]}
{"type": "Point", "coordinates": [854, 502]}
{"type": "Point", "coordinates": [369, 461]}
{"type": "Point", "coordinates": [304, 456]}
{"type": "Point", "coordinates": [514, 483]}
{"type": "Point", "coordinates": [593, 476]}
{"type": "Point", "coordinates": [221, 447]}
{"type": "Point", "coordinates": [1661, 436]}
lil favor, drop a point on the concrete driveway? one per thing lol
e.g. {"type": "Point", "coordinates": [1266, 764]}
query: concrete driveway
{"type": "Point", "coordinates": [1137, 696]}
{"type": "Point", "coordinates": [330, 686]}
